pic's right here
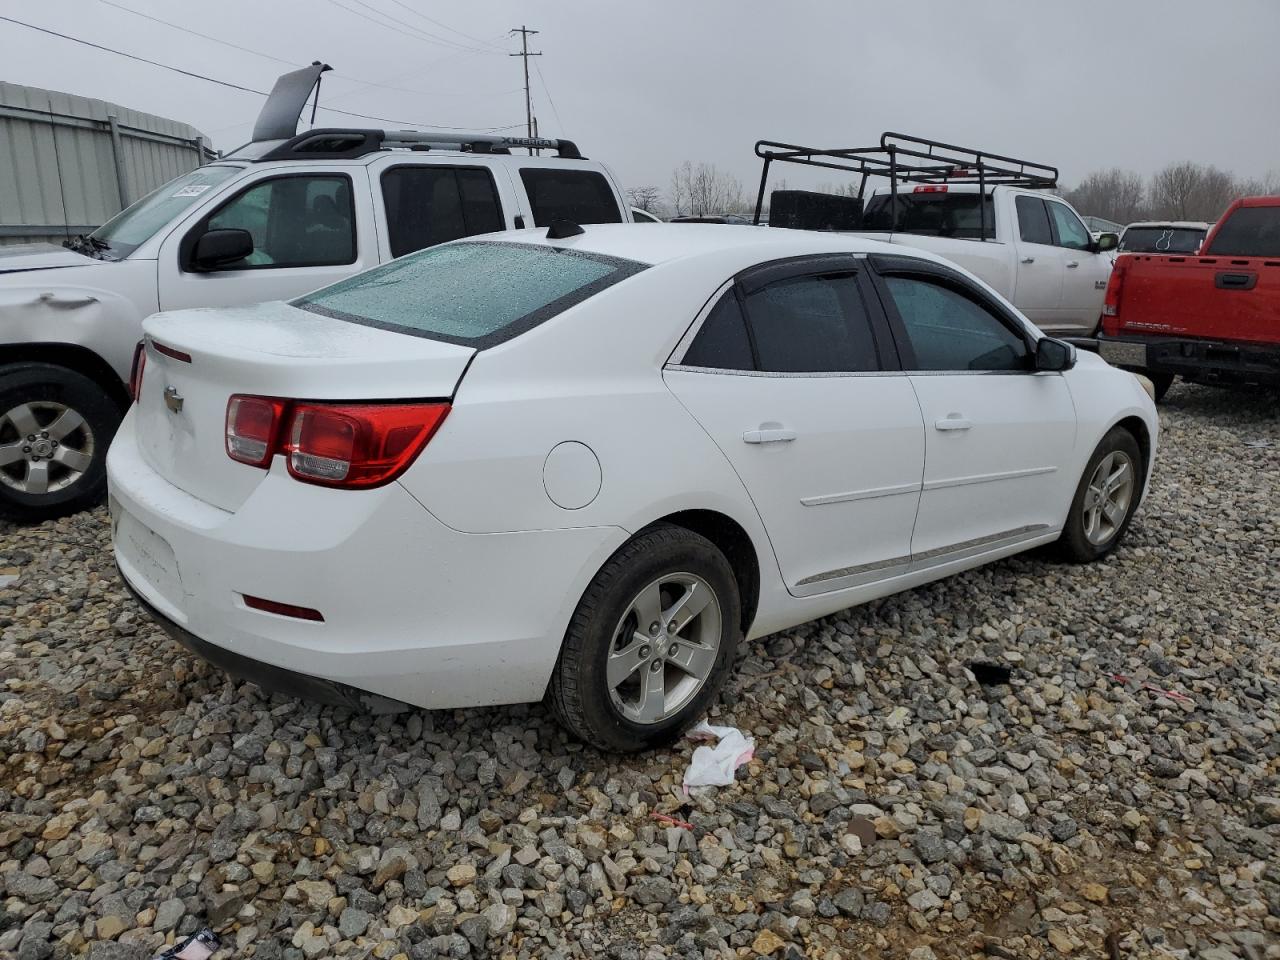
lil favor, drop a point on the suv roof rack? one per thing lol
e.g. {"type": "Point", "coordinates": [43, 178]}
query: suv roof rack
{"type": "Point", "coordinates": [906, 159]}
{"type": "Point", "coordinates": [340, 143]}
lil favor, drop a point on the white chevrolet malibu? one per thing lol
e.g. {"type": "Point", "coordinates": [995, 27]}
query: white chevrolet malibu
{"type": "Point", "coordinates": [584, 465]}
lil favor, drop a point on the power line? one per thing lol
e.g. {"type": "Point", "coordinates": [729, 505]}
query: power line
{"type": "Point", "coordinates": [415, 32]}
{"type": "Point", "coordinates": [547, 91]}
{"type": "Point", "coordinates": [221, 83]}
{"type": "Point", "coordinates": [445, 26]}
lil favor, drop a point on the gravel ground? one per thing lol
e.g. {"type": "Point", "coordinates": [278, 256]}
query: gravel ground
{"type": "Point", "coordinates": [896, 807]}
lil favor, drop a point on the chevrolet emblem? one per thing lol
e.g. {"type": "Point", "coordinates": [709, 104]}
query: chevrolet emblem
{"type": "Point", "coordinates": [173, 399]}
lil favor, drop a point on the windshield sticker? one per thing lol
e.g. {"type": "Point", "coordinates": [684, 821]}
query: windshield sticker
{"type": "Point", "coordinates": [193, 190]}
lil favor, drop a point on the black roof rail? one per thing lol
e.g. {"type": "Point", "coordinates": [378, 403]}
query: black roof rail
{"type": "Point", "coordinates": [341, 143]}
{"type": "Point", "coordinates": [902, 158]}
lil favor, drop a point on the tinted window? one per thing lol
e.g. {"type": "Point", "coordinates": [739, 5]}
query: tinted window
{"type": "Point", "coordinates": [1249, 232]}
{"type": "Point", "coordinates": [1033, 221]}
{"type": "Point", "coordinates": [722, 342]}
{"type": "Point", "coordinates": [1161, 240]}
{"type": "Point", "coordinates": [471, 293]}
{"type": "Point", "coordinates": [931, 214]}
{"type": "Point", "coordinates": [1071, 232]}
{"type": "Point", "coordinates": [811, 324]}
{"type": "Point", "coordinates": [305, 221]}
{"type": "Point", "coordinates": [949, 331]}
{"type": "Point", "coordinates": [582, 196]}
{"type": "Point", "coordinates": [430, 205]}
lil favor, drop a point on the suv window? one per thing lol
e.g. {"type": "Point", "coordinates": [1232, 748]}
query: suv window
{"type": "Point", "coordinates": [812, 324]}
{"type": "Point", "coordinates": [1071, 233]}
{"type": "Point", "coordinates": [722, 342]}
{"type": "Point", "coordinates": [430, 205]}
{"type": "Point", "coordinates": [1249, 232]}
{"type": "Point", "coordinates": [583, 196]}
{"type": "Point", "coordinates": [295, 221]}
{"type": "Point", "coordinates": [472, 293]}
{"type": "Point", "coordinates": [1033, 221]}
{"type": "Point", "coordinates": [951, 331]}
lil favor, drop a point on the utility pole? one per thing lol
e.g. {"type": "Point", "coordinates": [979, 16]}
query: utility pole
{"type": "Point", "coordinates": [525, 33]}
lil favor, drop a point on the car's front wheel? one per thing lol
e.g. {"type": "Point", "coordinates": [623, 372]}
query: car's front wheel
{"type": "Point", "coordinates": [650, 644]}
{"type": "Point", "coordinates": [55, 427]}
{"type": "Point", "coordinates": [1105, 500]}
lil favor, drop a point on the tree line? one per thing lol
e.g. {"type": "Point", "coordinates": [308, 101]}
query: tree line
{"type": "Point", "coordinates": [1181, 191]}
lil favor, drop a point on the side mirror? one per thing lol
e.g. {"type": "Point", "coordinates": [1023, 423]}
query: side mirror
{"type": "Point", "coordinates": [1054, 356]}
{"type": "Point", "coordinates": [1105, 242]}
{"type": "Point", "coordinates": [219, 248]}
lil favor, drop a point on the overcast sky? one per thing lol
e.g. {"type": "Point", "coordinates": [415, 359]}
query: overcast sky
{"type": "Point", "coordinates": [645, 86]}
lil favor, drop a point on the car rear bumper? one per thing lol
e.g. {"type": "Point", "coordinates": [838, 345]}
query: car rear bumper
{"type": "Point", "coordinates": [412, 610]}
{"type": "Point", "coordinates": [1194, 359]}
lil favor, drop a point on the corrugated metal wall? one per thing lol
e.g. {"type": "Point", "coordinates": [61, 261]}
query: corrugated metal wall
{"type": "Point", "coordinates": [61, 169]}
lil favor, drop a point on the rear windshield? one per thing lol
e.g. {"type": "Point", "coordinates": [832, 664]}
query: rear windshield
{"type": "Point", "coordinates": [931, 214]}
{"type": "Point", "coordinates": [1161, 240]}
{"type": "Point", "coordinates": [476, 294]}
{"type": "Point", "coordinates": [1249, 232]}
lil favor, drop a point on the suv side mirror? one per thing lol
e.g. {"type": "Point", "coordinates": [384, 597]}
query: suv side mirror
{"type": "Point", "coordinates": [219, 248]}
{"type": "Point", "coordinates": [1054, 356]}
{"type": "Point", "coordinates": [1105, 242]}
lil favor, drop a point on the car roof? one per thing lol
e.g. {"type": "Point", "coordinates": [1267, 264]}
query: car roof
{"type": "Point", "coordinates": [1173, 224]}
{"type": "Point", "coordinates": [657, 243]}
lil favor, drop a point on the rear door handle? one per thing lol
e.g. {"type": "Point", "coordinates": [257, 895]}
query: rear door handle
{"type": "Point", "coordinates": [1072, 264]}
{"type": "Point", "coordinates": [1028, 259]}
{"type": "Point", "coordinates": [769, 433]}
{"type": "Point", "coordinates": [952, 421]}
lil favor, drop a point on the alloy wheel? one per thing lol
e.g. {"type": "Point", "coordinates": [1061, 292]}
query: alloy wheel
{"type": "Point", "coordinates": [1108, 497]}
{"type": "Point", "coordinates": [45, 446]}
{"type": "Point", "coordinates": [664, 648]}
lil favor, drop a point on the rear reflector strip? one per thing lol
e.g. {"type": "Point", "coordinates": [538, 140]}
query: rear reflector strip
{"type": "Point", "coordinates": [170, 352]}
{"type": "Point", "coordinates": [282, 609]}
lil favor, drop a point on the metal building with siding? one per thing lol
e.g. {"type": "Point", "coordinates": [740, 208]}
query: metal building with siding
{"type": "Point", "coordinates": [68, 164]}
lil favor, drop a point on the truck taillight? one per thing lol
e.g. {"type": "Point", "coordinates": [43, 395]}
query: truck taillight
{"type": "Point", "coordinates": [931, 188]}
{"type": "Point", "coordinates": [1111, 303]}
{"type": "Point", "coordinates": [347, 445]}
{"type": "Point", "coordinates": [136, 370]}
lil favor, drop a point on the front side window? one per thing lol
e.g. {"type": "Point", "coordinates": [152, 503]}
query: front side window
{"type": "Point", "coordinates": [949, 331]}
{"type": "Point", "coordinates": [295, 221]}
{"type": "Point", "coordinates": [582, 196]}
{"type": "Point", "coordinates": [1071, 233]}
{"type": "Point", "coordinates": [1033, 221]}
{"type": "Point", "coordinates": [472, 293]}
{"type": "Point", "coordinates": [138, 223]}
{"type": "Point", "coordinates": [430, 205]}
{"type": "Point", "coordinates": [811, 324]}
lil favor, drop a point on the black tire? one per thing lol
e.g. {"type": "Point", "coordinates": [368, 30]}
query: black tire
{"type": "Point", "coordinates": [1162, 382]}
{"type": "Point", "coordinates": [579, 694]}
{"type": "Point", "coordinates": [44, 385]}
{"type": "Point", "coordinates": [1074, 544]}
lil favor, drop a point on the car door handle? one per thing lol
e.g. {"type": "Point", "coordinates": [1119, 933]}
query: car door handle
{"type": "Point", "coordinates": [1028, 259]}
{"type": "Point", "coordinates": [1072, 264]}
{"type": "Point", "coordinates": [769, 433]}
{"type": "Point", "coordinates": [952, 421]}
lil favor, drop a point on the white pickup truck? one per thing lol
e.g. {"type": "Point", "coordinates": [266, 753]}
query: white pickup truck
{"type": "Point", "coordinates": [1027, 244]}
{"type": "Point", "coordinates": [277, 218]}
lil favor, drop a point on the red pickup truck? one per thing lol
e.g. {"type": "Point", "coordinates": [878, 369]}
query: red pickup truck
{"type": "Point", "coordinates": [1211, 317]}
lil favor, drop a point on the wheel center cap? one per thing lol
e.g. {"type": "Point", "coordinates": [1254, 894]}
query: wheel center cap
{"type": "Point", "coordinates": [41, 448]}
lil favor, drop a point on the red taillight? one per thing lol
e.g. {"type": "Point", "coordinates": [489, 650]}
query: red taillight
{"type": "Point", "coordinates": [936, 188]}
{"type": "Point", "coordinates": [282, 609]}
{"type": "Point", "coordinates": [136, 370]}
{"type": "Point", "coordinates": [348, 445]}
{"type": "Point", "coordinates": [358, 445]}
{"type": "Point", "coordinates": [253, 428]}
{"type": "Point", "coordinates": [1111, 303]}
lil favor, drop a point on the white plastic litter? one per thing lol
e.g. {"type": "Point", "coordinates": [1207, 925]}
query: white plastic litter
{"type": "Point", "coordinates": [713, 766]}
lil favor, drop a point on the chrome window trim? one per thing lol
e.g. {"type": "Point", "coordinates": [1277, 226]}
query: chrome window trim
{"type": "Point", "coordinates": [786, 374]}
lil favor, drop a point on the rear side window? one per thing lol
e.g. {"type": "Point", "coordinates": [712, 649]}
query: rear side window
{"type": "Point", "coordinates": [722, 342]}
{"type": "Point", "coordinates": [476, 294]}
{"type": "Point", "coordinates": [430, 205]}
{"type": "Point", "coordinates": [811, 324]}
{"type": "Point", "coordinates": [1033, 221]}
{"type": "Point", "coordinates": [583, 196]}
{"type": "Point", "coordinates": [1249, 232]}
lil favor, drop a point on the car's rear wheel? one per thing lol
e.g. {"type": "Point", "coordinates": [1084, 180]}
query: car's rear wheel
{"type": "Point", "coordinates": [650, 644]}
{"type": "Point", "coordinates": [1105, 500]}
{"type": "Point", "coordinates": [55, 427]}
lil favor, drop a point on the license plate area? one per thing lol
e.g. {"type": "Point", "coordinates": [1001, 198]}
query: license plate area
{"type": "Point", "coordinates": [1123, 354]}
{"type": "Point", "coordinates": [151, 557]}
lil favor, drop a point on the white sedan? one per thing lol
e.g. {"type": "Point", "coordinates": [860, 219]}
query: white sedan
{"type": "Point", "coordinates": [585, 466]}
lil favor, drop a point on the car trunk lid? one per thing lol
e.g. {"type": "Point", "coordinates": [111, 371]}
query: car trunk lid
{"type": "Point", "coordinates": [198, 359]}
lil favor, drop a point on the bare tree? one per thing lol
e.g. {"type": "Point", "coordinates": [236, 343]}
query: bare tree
{"type": "Point", "coordinates": [1113, 194]}
{"type": "Point", "coordinates": [646, 198]}
{"type": "Point", "coordinates": [705, 189]}
{"type": "Point", "coordinates": [1192, 191]}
